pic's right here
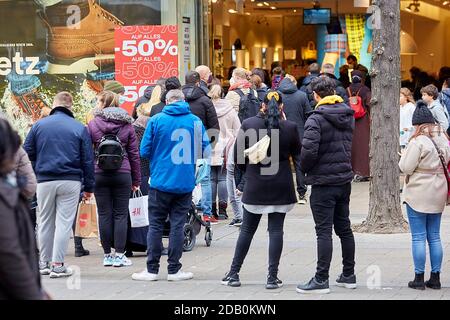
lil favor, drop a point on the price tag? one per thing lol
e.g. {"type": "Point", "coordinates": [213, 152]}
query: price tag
{"type": "Point", "coordinates": [144, 54]}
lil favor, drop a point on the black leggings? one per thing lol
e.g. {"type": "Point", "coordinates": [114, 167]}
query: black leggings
{"type": "Point", "coordinates": [249, 226]}
{"type": "Point", "coordinates": [112, 193]}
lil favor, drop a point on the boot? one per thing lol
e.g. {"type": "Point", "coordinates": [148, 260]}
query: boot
{"type": "Point", "coordinates": [434, 282]}
{"type": "Point", "coordinates": [223, 211]}
{"type": "Point", "coordinates": [79, 250]}
{"type": "Point", "coordinates": [214, 210]}
{"type": "Point", "coordinates": [72, 50]}
{"type": "Point", "coordinates": [418, 282]}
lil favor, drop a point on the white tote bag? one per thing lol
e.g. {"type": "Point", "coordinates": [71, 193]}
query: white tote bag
{"type": "Point", "coordinates": [138, 210]}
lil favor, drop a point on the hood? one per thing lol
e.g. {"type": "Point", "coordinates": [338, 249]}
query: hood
{"type": "Point", "coordinates": [192, 92]}
{"type": "Point", "coordinates": [223, 107]}
{"type": "Point", "coordinates": [178, 108]}
{"type": "Point", "coordinates": [446, 92]}
{"type": "Point", "coordinates": [339, 115]}
{"type": "Point", "coordinates": [309, 78]}
{"type": "Point", "coordinates": [113, 114]}
{"type": "Point", "coordinates": [287, 86]}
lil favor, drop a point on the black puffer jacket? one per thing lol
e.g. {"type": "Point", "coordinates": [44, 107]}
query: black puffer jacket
{"type": "Point", "coordinates": [296, 104]}
{"type": "Point", "coordinates": [327, 145]}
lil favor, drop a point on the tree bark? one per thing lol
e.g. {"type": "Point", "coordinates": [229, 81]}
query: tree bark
{"type": "Point", "coordinates": [385, 215]}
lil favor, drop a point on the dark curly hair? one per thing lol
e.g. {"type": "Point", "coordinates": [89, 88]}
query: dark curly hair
{"type": "Point", "coordinates": [323, 86]}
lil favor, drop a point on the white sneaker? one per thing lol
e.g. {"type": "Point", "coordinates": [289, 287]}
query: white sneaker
{"type": "Point", "coordinates": [180, 276]}
{"type": "Point", "coordinates": [121, 261]}
{"type": "Point", "coordinates": [145, 276]}
{"type": "Point", "coordinates": [60, 272]}
{"type": "Point", "coordinates": [108, 261]}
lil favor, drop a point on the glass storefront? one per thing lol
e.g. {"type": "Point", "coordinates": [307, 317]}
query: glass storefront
{"type": "Point", "coordinates": [47, 46]}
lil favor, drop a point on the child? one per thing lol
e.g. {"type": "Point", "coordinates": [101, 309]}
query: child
{"type": "Point", "coordinates": [430, 95]}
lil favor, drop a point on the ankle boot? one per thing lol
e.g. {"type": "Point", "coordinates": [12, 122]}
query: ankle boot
{"type": "Point", "coordinates": [79, 250]}
{"type": "Point", "coordinates": [223, 211]}
{"type": "Point", "coordinates": [418, 282]}
{"type": "Point", "coordinates": [434, 282]}
{"type": "Point", "coordinates": [214, 210]}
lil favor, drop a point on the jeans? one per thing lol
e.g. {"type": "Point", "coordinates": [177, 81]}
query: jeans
{"type": "Point", "coordinates": [235, 200]}
{"type": "Point", "coordinates": [112, 193]}
{"type": "Point", "coordinates": [219, 184]}
{"type": "Point", "coordinates": [57, 202]}
{"type": "Point", "coordinates": [425, 227]}
{"type": "Point", "coordinates": [206, 202]}
{"type": "Point", "coordinates": [248, 229]}
{"type": "Point", "coordinates": [300, 178]}
{"type": "Point", "coordinates": [330, 206]}
{"type": "Point", "coordinates": [161, 204]}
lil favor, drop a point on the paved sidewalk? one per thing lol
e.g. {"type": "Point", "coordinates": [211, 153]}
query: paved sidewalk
{"type": "Point", "coordinates": [383, 266]}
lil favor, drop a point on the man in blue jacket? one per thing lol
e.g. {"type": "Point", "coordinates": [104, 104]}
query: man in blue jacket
{"type": "Point", "coordinates": [61, 150]}
{"type": "Point", "coordinates": [173, 141]}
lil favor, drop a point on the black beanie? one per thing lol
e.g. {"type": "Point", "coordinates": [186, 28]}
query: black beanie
{"type": "Point", "coordinates": [422, 114]}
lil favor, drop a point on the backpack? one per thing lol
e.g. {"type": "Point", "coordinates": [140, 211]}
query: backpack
{"type": "Point", "coordinates": [356, 104]}
{"type": "Point", "coordinates": [110, 153]}
{"type": "Point", "coordinates": [249, 105]}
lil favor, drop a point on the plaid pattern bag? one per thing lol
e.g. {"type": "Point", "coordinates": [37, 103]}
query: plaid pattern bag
{"type": "Point", "coordinates": [356, 32]}
{"type": "Point", "coordinates": [336, 43]}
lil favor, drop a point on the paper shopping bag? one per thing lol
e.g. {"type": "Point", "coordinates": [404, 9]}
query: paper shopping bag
{"type": "Point", "coordinates": [310, 51]}
{"type": "Point", "coordinates": [86, 223]}
{"type": "Point", "coordinates": [138, 208]}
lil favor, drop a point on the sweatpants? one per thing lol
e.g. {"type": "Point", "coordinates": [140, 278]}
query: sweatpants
{"type": "Point", "coordinates": [57, 203]}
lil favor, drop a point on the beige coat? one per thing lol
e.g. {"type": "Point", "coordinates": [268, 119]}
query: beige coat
{"type": "Point", "coordinates": [425, 188]}
{"type": "Point", "coordinates": [234, 98]}
{"type": "Point", "coordinates": [229, 126]}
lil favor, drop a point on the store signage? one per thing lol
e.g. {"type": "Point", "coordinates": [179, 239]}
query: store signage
{"type": "Point", "coordinates": [16, 63]}
{"type": "Point", "coordinates": [144, 54]}
{"type": "Point", "coordinates": [187, 40]}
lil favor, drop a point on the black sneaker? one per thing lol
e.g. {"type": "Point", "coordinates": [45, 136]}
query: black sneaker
{"type": "Point", "coordinates": [346, 282]}
{"type": "Point", "coordinates": [235, 223]}
{"type": "Point", "coordinates": [314, 286]}
{"type": "Point", "coordinates": [273, 283]}
{"type": "Point", "coordinates": [231, 280]}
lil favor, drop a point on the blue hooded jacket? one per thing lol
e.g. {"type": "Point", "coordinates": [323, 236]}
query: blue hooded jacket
{"type": "Point", "coordinates": [173, 141]}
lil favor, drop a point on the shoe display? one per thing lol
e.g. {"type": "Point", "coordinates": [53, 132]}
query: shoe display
{"type": "Point", "coordinates": [231, 280]}
{"type": "Point", "coordinates": [60, 272]}
{"type": "Point", "coordinates": [346, 282]}
{"type": "Point", "coordinates": [75, 50]}
{"type": "Point", "coordinates": [180, 276]}
{"type": "Point", "coordinates": [314, 286]}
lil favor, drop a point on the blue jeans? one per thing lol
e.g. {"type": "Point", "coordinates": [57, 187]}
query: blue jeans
{"type": "Point", "coordinates": [206, 202]}
{"type": "Point", "coordinates": [235, 200]}
{"type": "Point", "coordinates": [161, 204]}
{"type": "Point", "coordinates": [425, 227]}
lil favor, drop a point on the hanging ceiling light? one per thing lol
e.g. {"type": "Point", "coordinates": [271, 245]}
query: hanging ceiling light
{"type": "Point", "coordinates": [414, 4]}
{"type": "Point", "coordinates": [408, 47]}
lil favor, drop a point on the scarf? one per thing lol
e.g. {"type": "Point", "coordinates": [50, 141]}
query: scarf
{"type": "Point", "coordinates": [241, 84]}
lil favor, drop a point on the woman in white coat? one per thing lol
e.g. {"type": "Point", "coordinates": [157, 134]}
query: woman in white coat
{"type": "Point", "coordinates": [425, 193]}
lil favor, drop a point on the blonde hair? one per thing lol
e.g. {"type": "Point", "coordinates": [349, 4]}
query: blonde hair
{"type": "Point", "coordinates": [215, 92]}
{"type": "Point", "coordinates": [408, 95]}
{"type": "Point", "coordinates": [292, 78]}
{"type": "Point", "coordinates": [429, 130]}
{"type": "Point", "coordinates": [240, 73]}
{"type": "Point", "coordinates": [154, 100]}
{"type": "Point", "coordinates": [256, 81]}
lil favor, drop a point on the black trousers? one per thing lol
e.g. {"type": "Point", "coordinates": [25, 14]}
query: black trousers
{"type": "Point", "coordinates": [112, 193]}
{"type": "Point", "coordinates": [330, 206]}
{"type": "Point", "coordinates": [300, 177]}
{"type": "Point", "coordinates": [249, 226]}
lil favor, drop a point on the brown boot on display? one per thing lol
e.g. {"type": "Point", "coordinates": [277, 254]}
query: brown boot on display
{"type": "Point", "coordinates": [75, 48]}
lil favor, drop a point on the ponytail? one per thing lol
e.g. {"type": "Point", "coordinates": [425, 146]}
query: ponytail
{"type": "Point", "coordinates": [272, 115]}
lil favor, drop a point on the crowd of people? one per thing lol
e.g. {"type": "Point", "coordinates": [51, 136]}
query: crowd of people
{"type": "Point", "coordinates": [248, 139]}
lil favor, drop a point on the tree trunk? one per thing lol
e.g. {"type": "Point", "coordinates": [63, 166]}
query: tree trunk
{"type": "Point", "coordinates": [385, 215]}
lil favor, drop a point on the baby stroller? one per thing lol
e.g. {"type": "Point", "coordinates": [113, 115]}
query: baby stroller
{"type": "Point", "coordinates": [191, 229]}
{"type": "Point", "coordinates": [194, 221]}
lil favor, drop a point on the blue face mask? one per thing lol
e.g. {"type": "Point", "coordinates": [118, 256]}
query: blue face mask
{"type": "Point", "coordinates": [122, 100]}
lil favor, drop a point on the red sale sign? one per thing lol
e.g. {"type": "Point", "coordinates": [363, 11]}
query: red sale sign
{"type": "Point", "coordinates": [144, 54]}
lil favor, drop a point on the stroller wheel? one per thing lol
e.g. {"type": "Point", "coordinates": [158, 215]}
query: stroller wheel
{"type": "Point", "coordinates": [189, 238]}
{"type": "Point", "coordinates": [208, 237]}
